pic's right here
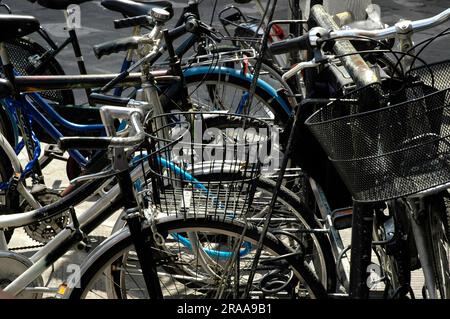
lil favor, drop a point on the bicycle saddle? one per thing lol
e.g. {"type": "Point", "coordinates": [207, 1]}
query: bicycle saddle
{"type": "Point", "coordinates": [15, 26]}
{"type": "Point", "coordinates": [5, 88]}
{"type": "Point", "coordinates": [59, 4]}
{"type": "Point", "coordinates": [136, 8]}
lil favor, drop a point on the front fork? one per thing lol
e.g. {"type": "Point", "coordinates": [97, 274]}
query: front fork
{"type": "Point", "coordinates": [361, 243]}
{"type": "Point", "coordinates": [143, 244]}
{"type": "Point", "coordinates": [423, 243]}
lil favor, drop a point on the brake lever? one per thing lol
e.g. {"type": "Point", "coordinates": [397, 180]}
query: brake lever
{"type": "Point", "coordinates": [213, 34]}
{"type": "Point", "coordinates": [99, 175]}
{"type": "Point", "coordinates": [305, 65]}
{"type": "Point", "coordinates": [210, 31]}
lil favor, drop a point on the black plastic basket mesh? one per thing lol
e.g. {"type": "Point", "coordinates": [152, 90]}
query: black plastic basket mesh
{"type": "Point", "coordinates": [20, 52]}
{"type": "Point", "coordinates": [385, 151]}
{"type": "Point", "coordinates": [427, 79]}
{"type": "Point", "coordinates": [206, 164]}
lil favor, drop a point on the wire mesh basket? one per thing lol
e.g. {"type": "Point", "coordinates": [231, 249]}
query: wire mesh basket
{"type": "Point", "coordinates": [382, 150]}
{"type": "Point", "coordinates": [427, 79]}
{"type": "Point", "coordinates": [206, 164]}
{"type": "Point", "coordinates": [24, 55]}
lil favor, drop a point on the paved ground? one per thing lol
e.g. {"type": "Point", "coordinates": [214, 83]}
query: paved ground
{"type": "Point", "coordinates": [97, 27]}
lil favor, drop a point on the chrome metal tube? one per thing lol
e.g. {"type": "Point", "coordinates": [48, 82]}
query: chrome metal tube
{"type": "Point", "coordinates": [391, 32]}
{"type": "Point", "coordinates": [15, 163]}
{"type": "Point", "coordinates": [358, 69]}
{"type": "Point", "coordinates": [135, 117]}
{"type": "Point", "coordinates": [423, 250]}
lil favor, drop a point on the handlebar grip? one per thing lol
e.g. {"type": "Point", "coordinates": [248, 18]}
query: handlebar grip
{"type": "Point", "coordinates": [286, 46]}
{"type": "Point", "coordinates": [116, 46]}
{"type": "Point", "coordinates": [182, 29]}
{"type": "Point", "coordinates": [98, 98]}
{"type": "Point", "coordinates": [142, 21]}
{"type": "Point", "coordinates": [195, 26]}
{"type": "Point", "coordinates": [84, 143]}
{"type": "Point", "coordinates": [191, 24]}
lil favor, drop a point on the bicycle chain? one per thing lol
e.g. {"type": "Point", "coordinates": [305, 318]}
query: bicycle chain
{"type": "Point", "coordinates": [26, 247]}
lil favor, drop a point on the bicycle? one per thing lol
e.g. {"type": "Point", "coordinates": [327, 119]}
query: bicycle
{"type": "Point", "coordinates": [362, 214]}
{"type": "Point", "coordinates": [175, 224]}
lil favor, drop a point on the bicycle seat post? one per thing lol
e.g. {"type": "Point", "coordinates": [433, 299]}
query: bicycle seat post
{"type": "Point", "coordinates": [72, 15]}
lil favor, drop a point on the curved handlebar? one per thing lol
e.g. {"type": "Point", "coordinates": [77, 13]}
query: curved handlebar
{"type": "Point", "coordinates": [406, 26]}
{"type": "Point", "coordinates": [108, 114]}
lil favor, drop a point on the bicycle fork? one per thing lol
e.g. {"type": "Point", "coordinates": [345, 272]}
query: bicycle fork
{"type": "Point", "coordinates": [361, 243]}
{"type": "Point", "coordinates": [423, 245]}
{"type": "Point", "coordinates": [143, 245]}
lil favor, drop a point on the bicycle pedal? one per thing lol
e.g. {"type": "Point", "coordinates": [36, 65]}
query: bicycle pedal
{"type": "Point", "coordinates": [37, 189]}
{"type": "Point", "coordinates": [163, 258]}
{"type": "Point", "coordinates": [342, 218]}
{"type": "Point", "coordinates": [53, 149]}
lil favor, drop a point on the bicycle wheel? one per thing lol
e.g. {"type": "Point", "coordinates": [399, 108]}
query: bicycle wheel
{"type": "Point", "coordinates": [319, 254]}
{"type": "Point", "coordinates": [437, 228]}
{"type": "Point", "coordinates": [286, 276]}
{"type": "Point", "coordinates": [290, 215]}
{"type": "Point", "coordinates": [226, 89]}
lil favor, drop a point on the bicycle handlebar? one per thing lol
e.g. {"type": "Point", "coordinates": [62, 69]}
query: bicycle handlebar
{"type": "Point", "coordinates": [285, 46]}
{"type": "Point", "coordinates": [115, 46]}
{"type": "Point", "coordinates": [84, 143]}
{"type": "Point", "coordinates": [97, 98]}
{"type": "Point", "coordinates": [108, 114]}
{"type": "Point", "coordinates": [406, 26]}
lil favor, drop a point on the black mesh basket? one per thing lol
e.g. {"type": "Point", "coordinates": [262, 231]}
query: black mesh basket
{"type": "Point", "coordinates": [384, 151]}
{"type": "Point", "coordinates": [427, 79]}
{"type": "Point", "coordinates": [22, 52]}
{"type": "Point", "coordinates": [206, 164]}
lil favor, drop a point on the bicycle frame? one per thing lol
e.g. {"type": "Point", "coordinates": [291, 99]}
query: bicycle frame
{"type": "Point", "coordinates": [34, 115]}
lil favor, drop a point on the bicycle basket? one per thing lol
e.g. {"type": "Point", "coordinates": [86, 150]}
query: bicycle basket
{"type": "Point", "coordinates": [427, 79]}
{"type": "Point", "coordinates": [24, 56]}
{"type": "Point", "coordinates": [386, 151]}
{"type": "Point", "coordinates": [206, 163]}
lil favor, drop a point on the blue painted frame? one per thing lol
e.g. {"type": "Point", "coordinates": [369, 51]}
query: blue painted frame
{"type": "Point", "coordinates": [32, 114]}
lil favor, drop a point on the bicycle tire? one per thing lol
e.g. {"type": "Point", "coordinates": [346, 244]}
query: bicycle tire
{"type": "Point", "coordinates": [121, 243]}
{"type": "Point", "coordinates": [281, 113]}
{"type": "Point", "coordinates": [437, 231]}
{"type": "Point", "coordinates": [302, 213]}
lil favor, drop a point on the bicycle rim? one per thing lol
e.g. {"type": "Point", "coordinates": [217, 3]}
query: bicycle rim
{"type": "Point", "coordinates": [186, 277]}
